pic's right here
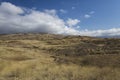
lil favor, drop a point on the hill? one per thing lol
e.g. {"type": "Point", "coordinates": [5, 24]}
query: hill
{"type": "Point", "coordinates": [58, 57]}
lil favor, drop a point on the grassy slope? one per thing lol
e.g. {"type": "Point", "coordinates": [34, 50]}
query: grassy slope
{"type": "Point", "coordinates": [56, 57]}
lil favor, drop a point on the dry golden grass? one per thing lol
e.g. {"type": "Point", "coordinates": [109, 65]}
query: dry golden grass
{"type": "Point", "coordinates": [34, 60]}
{"type": "Point", "coordinates": [36, 70]}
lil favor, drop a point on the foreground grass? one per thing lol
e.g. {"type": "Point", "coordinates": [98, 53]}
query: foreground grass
{"type": "Point", "coordinates": [38, 59]}
{"type": "Point", "coordinates": [37, 70]}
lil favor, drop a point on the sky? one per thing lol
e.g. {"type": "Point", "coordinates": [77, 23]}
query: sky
{"type": "Point", "coordinates": [71, 17]}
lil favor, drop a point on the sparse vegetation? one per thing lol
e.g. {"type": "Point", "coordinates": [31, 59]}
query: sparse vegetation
{"type": "Point", "coordinates": [56, 57]}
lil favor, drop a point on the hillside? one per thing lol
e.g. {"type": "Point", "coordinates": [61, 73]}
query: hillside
{"type": "Point", "coordinates": [58, 57]}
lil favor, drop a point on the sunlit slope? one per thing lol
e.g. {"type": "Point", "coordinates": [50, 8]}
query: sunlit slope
{"type": "Point", "coordinates": [58, 57]}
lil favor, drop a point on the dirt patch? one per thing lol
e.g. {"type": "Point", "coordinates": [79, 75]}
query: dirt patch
{"type": "Point", "coordinates": [17, 58]}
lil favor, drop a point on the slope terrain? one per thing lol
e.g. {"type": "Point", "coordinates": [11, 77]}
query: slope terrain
{"type": "Point", "coordinates": [58, 57]}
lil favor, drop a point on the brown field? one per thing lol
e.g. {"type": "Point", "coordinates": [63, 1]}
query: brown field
{"type": "Point", "coordinates": [57, 57]}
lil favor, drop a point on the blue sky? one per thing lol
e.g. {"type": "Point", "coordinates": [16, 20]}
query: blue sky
{"type": "Point", "coordinates": [87, 16]}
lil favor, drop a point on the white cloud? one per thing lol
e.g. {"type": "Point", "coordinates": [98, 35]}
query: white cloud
{"type": "Point", "coordinates": [108, 32]}
{"type": "Point", "coordinates": [63, 11]}
{"type": "Point", "coordinates": [51, 12]}
{"type": "Point", "coordinates": [73, 8]}
{"type": "Point", "coordinates": [92, 12]}
{"type": "Point", "coordinates": [14, 19]}
{"type": "Point", "coordinates": [78, 27]}
{"type": "Point", "coordinates": [87, 16]}
{"type": "Point", "coordinates": [72, 22]}
{"type": "Point", "coordinates": [8, 8]}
